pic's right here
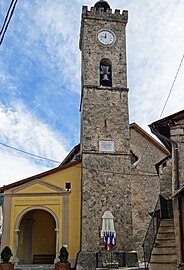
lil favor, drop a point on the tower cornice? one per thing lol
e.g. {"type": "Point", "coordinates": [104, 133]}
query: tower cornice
{"type": "Point", "coordinates": [108, 14]}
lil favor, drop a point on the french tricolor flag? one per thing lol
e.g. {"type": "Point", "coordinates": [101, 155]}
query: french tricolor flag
{"type": "Point", "coordinates": [109, 240]}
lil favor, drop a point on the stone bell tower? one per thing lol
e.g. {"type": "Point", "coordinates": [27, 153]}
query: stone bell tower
{"type": "Point", "coordinates": [104, 129]}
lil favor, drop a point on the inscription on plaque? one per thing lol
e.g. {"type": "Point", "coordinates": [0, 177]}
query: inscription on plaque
{"type": "Point", "coordinates": [106, 146]}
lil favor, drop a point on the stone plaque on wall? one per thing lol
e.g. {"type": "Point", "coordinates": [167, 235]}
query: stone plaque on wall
{"type": "Point", "coordinates": [106, 146]}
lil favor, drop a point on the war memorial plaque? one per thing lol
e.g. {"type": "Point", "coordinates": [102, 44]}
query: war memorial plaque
{"type": "Point", "coordinates": [106, 146]}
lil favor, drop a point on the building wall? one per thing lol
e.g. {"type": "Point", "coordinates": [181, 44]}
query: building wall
{"type": "Point", "coordinates": [145, 188]}
{"type": "Point", "coordinates": [177, 134]}
{"type": "Point", "coordinates": [49, 194]}
{"type": "Point", "coordinates": [165, 174]}
{"type": "Point", "coordinates": [145, 185]}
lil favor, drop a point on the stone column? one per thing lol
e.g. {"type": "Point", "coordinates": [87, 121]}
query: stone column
{"type": "Point", "coordinates": [57, 245]}
{"type": "Point", "coordinates": [6, 221]}
{"type": "Point", "coordinates": [16, 244]}
{"type": "Point", "coordinates": [28, 238]}
{"type": "Point", "coordinates": [65, 220]}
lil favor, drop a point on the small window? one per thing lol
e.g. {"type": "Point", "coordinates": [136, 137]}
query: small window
{"type": "Point", "coordinates": [105, 72]}
{"type": "Point", "coordinates": [68, 186]}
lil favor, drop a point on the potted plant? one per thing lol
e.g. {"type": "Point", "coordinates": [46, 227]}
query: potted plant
{"type": "Point", "coordinates": [6, 254]}
{"type": "Point", "coordinates": [63, 263]}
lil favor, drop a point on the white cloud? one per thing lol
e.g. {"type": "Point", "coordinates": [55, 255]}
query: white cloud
{"type": "Point", "coordinates": [53, 30]}
{"type": "Point", "coordinates": [19, 129]}
{"type": "Point", "coordinates": [14, 168]}
{"type": "Point", "coordinates": [46, 33]}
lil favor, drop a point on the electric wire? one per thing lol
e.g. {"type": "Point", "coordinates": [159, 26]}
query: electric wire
{"type": "Point", "coordinates": [170, 91]}
{"type": "Point", "coordinates": [118, 173]}
{"type": "Point", "coordinates": [28, 153]}
{"type": "Point", "coordinates": [7, 19]}
{"type": "Point", "coordinates": [143, 173]}
{"type": "Point", "coordinates": [172, 86]}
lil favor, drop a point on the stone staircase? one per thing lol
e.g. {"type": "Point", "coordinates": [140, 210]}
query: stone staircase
{"type": "Point", "coordinates": [163, 255]}
{"type": "Point", "coordinates": [35, 267]}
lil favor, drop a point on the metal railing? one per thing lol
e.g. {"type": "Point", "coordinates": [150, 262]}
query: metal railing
{"type": "Point", "coordinates": [163, 210]}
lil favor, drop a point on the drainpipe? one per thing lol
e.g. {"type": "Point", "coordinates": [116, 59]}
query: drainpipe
{"type": "Point", "coordinates": [176, 156]}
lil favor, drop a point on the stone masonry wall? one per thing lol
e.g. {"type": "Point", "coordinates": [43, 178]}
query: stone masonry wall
{"type": "Point", "coordinates": [145, 185]}
{"type": "Point", "coordinates": [177, 134]}
{"type": "Point", "coordinates": [105, 117]}
{"type": "Point", "coordinates": [165, 174]}
{"type": "Point", "coordinates": [107, 188]}
{"type": "Point", "coordinates": [105, 176]}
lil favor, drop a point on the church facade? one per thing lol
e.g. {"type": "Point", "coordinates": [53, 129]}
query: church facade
{"type": "Point", "coordinates": [109, 179]}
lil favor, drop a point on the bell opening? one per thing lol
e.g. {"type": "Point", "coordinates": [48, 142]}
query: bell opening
{"type": "Point", "coordinates": [105, 73]}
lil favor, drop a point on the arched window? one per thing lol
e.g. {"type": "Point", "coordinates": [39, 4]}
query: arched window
{"type": "Point", "coordinates": [105, 72]}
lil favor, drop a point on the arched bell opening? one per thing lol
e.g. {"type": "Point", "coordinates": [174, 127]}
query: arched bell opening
{"type": "Point", "coordinates": [37, 238]}
{"type": "Point", "coordinates": [106, 72]}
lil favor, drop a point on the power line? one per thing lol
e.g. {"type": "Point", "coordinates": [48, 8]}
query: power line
{"type": "Point", "coordinates": [7, 19]}
{"type": "Point", "coordinates": [142, 173]}
{"type": "Point", "coordinates": [172, 86]}
{"type": "Point", "coordinates": [28, 153]}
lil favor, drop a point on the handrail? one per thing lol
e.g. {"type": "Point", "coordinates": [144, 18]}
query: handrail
{"type": "Point", "coordinates": [151, 233]}
{"type": "Point", "coordinates": [163, 210]}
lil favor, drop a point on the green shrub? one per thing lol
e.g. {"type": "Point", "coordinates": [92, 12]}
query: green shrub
{"type": "Point", "coordinates": [63, 255]}
{"type": "Point", "coordinates": [6, 254]}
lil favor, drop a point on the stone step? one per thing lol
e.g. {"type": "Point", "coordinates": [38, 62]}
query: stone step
{"type": "Point", "coordinates": [165, 242]}
{"type": "Point", "coordinates": [163, 257]}
{"type": "Point", "coordinates": [165, 236]}
{"type": "Point", "coordinates": [164, 250]}
{"type": "Point", "coordinates": [166, 229]}
{"type": "Point", "coordinates": [167, 222]}
{"type": "Point", "coordinates": [163, 266]}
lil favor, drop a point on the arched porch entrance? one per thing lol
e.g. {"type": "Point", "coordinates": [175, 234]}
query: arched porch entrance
{"type": "Point", "coordinates": [36, 237]}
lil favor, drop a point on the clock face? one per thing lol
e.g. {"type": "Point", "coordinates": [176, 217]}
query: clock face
{"type": "Point", "coordinates": [106, 37]}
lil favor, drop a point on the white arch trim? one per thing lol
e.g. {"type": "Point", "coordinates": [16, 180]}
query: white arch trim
{"type": "Point", "coordinates": [17, 225]}
{"type": "Point", "coordinates": [25, 211]}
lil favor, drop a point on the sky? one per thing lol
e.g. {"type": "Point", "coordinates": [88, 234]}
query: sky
{"type": "Point", "coordinates": [40, 76]}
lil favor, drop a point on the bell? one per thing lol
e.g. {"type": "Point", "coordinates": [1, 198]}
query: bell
{"type": "Point", "coordinates": [105, 72]}
{"type": "Point", "coordinates": [105, 77]}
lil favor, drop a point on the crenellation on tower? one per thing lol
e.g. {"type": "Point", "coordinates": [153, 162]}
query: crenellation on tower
{"type": "Point", "coordinates": [84, 9]}
{"type": "Point", "coordinates": [108, 14]}
{"type": "Point", "coordinates": [117, 11]}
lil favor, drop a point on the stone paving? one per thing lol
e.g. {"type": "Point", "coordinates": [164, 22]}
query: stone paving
{"type": "Point", "coordinates": [51, 267]}
{"type": "Point", "coordinates": [141, 267]}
